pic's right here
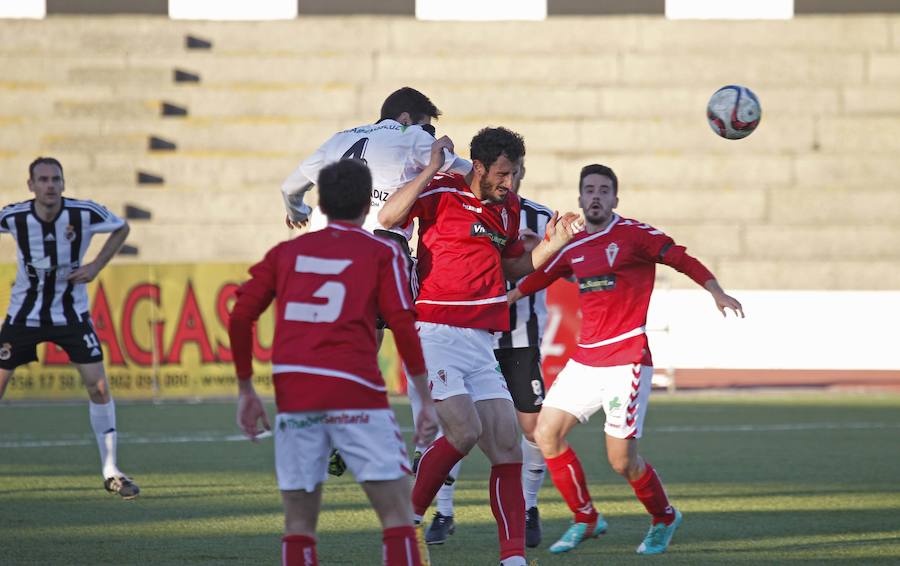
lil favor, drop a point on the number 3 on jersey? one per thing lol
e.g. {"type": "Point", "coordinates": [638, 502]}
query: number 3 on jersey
{"type": "Point", "coordinates": [332, 291]}
{"type": "Point", "coordinates": [357, 150]}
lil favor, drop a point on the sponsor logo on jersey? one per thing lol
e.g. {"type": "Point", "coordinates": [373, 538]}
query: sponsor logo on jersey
{"type": "Point", "coordinates": [612, 251]}
{"type": "Point", "coordinates": [480, 231]}
{"type": "Point", "coordinates": [578, 259]}
{"type": "Point", "coordinates": [598, 283]}
{"type": "Point", "coordinates": [5, 351]}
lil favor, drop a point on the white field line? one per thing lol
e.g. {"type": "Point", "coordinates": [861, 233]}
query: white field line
{"type": "Point", "coordinates": [218, 437]}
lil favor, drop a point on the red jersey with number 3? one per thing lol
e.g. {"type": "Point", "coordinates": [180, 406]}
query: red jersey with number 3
{"type": "Point", "coordinates": [615, 269]}
{"type": "Point", "coordinates": [461, 242]}
{"type": "Point", "coordinates": [330, 286]}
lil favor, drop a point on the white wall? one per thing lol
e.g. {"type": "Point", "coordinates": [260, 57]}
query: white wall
{"type": "Point", "coordinates": [23, 8]}
{"type": "Point", "coordinates": [832, 330]}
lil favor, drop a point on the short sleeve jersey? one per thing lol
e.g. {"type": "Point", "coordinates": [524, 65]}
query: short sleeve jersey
{"type": "Point", "coordinates": [461, 242]}
{"type": "Point", "coordinates": [47, 252]}
{"type": "Point", "coordinates": [615, 269]}
{"type": "Point", "coordinates": [324, 351]}
{"type": "Point", "coordinates": [394, 153]}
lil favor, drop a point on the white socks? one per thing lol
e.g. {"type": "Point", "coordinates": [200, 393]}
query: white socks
{"type": "Point", "coordinates": [533, 472]}
{"type": "Point", "coordinates": [445, 494]}
{"type": "Point", "coordinates": [103, 421]}
{"type": "Point", "coordinates": [514, 561]}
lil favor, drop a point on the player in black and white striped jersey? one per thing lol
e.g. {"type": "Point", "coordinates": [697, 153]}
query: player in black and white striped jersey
{"type": "Point", "coordinates": [49, 300]}
{"type": "Point", "coordinates": [518, 353]}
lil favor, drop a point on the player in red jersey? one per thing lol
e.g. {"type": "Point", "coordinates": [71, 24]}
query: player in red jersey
{"type": "Point", "coordinates": [614, 261]}
{"type": "Point", "coordinates": [329, 286]}
{"type": "Point", "coordinates": [468, 247]}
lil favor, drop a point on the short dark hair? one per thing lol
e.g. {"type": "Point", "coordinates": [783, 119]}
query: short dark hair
{"type": "Point", "coordinates": [345, 189]}
{"type": "Point", "coordinates": [490, 143]}
{"type": "Point", "coordinates": [597, 169]}
{"type": "Point", "coordinates": [410, 100]}
{"type": "Point", "coordinates": [43, 161]}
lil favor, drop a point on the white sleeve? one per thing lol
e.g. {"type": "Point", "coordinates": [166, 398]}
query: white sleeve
{"type": "Point", "coordinates": [101, 220]}
{"type": "Point", "coordinates": [422, 156]}
{"type": "Point", "coordinates": [301, 180]}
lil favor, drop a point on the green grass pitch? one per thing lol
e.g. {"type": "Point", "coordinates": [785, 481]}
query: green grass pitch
{"type": "Point", "coordinates": [762, 478]}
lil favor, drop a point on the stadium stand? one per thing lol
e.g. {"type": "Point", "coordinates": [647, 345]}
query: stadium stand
{"type": "Point", "coordinates": [198, 122]}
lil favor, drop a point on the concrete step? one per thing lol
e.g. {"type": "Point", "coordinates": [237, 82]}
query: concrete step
{"type": "Point", "coordinates": [877, 242]}
{"type": "Point", "coordinates": [833, 275]}
{"type": "Point", "coordinates": [844, 205]}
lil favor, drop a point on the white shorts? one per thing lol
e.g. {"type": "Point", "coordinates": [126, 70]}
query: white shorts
{"type": "Point", "coordinates": [621, 391]}
{"type": "Point", "coordinates": [461, 362]}
{"type": "Point", "coordinates": [369, 440]}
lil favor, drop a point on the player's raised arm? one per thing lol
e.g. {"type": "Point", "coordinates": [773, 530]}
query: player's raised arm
{"type": "Point", "coordinates": [298, 183]}
{"type": "Point", "coordinates": [560, 231]}
{"type": "Point", "coordinates": [396, 209]}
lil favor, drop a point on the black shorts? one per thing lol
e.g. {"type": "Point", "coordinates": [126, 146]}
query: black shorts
{"type": "Point", "coordinates": [18, 343]}
{"type": "Point", "coordinates": [411, 273]}
{"type": "Point", "coordinates": [522, 369]}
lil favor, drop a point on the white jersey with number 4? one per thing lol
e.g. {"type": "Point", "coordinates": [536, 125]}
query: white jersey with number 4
{"type": "Point", "coordinates": [394, 153]}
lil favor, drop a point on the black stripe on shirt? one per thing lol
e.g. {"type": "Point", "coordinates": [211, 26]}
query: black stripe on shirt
{"type": "Point", "coordinates": [68, 300]}
{"type": "Point", "coordinates": [31, 294]}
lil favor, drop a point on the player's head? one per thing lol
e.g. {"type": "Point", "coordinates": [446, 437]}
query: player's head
{"type": "Point", "coordinates": [598, 190]}
{"type": "Point", "coordinates": [496, 154]}
{"type": "Point", "coordinates": [409, 107]}
{"type": "Point", "coordinates": [345, 190]}
{"type": "Point", "coordinates": [46, 181]}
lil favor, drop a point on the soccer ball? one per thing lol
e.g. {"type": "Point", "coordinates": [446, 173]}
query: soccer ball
{"type": "Point", "coordinates": [733, 112]}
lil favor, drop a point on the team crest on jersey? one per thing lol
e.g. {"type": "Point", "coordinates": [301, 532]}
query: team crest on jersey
{"type": "Point", "coordinates": [70, 233]}
{"type": "Point", "coordinates": [612, 251]}
{"type": "Point", "coordinates": [505, 217]}
{"type": "Point", "coordinates": [5, 351]}
{"type": "Point", "coordinates": [442, 375]}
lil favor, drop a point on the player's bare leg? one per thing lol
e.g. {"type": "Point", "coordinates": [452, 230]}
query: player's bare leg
{"type": "Point", "coordinates": [500, 443]}
{"type": "Point", "coordinates": [565, 469]}
{"type": "Point", "coordinates": [461, 427]}
{"type": "Point", "coordinates": [301, 516]}
{"type": "Point", "coordinates": [533, 471]}
{"type": "Point", "coordinates": [103, 422]}
{"type": "Point", "coordinates": [5, 376]}
{"type": "Point", "coordinates": [391, 501]}
{"type": "Point", "coordinates": [625, 460]}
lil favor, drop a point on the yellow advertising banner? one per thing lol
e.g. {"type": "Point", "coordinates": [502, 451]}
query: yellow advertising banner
{"type": "Point", "coordinates": [164, 332]}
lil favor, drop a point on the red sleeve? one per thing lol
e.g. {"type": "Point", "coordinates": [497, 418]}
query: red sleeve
{"type": "Point", "coordinates": [408, 344]}
{"type": "Point", "coordinates": [554, 269]}
{"type": "Point", "coordinates": [395, 305]}
{"type": "Point", "coordinates": [424, 208]}
{"type": "Point", "coordinates": [253, 297]}
{"type": "Point", "coordinates": [678, 258]}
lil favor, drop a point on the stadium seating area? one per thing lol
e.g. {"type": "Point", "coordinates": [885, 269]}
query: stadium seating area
{"type": "Point", "coordinates": [198, 123]}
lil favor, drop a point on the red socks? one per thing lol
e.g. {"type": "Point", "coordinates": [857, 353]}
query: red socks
{"type": "Point", "coordinates": [568, 476]}
{"type": "Point", "coordinates": [400, 547]}
{"type": "Point", "coordinates": [433, 468]}
{"type": "Point", "coordinates": [508, 506]}
{"type": "Point", "coordinates": [650, 491]}
{"type": "Point", "coordinates": [298, 550]}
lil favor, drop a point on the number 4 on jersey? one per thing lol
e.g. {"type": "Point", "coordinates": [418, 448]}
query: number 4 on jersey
{"type": "Point", "coordinates": [357, 150]}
